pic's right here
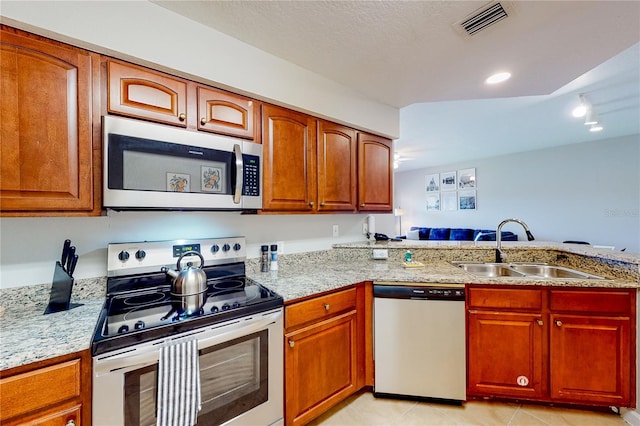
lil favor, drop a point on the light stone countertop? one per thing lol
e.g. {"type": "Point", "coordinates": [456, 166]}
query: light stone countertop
{"type": "Point", "coordinates": [26, 335]}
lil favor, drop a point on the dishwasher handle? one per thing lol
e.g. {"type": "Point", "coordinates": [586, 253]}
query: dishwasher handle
{"type": "Point", "coordinates": [417, 292]}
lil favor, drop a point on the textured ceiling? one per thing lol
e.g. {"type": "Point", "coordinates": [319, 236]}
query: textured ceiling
{"type": "Point", "coordinates": [402, 53]}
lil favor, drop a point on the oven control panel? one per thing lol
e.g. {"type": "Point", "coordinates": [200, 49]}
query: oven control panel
{"type": "Point", "coordinates": [151, 256]}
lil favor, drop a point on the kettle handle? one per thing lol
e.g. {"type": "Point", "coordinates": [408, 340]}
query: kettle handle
{"type": "Point", "coordinates": [189, 253]}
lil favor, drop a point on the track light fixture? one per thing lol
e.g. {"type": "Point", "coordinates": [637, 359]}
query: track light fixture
{"type": "Point", "coordinates": [585, 109]}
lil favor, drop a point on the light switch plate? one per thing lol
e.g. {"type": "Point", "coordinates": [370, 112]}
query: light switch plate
{"type": "Point", "coordinates": [380, 254]}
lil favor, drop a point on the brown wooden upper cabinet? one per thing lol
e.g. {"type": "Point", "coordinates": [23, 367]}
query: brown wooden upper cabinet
{"type": "Point", "coordinates": [289, 158]}
{"type": "Point", "coordinates": [46, 129]}
{"type": "Point", "coordinates": [139, 92]}
{"type": "Point", "coordinates": [142, 93]}
{"type": "Point", "coordinates": [337, 163]}
{"type": "Point", "coordinates": [375, 173]}
{"type": "Point", "coordinates": [227, 113]}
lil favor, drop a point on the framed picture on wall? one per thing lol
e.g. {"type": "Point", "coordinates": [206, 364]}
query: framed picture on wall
{"type": "Point", "coordinates": [448, 181]}
{"type": "Point", "coordinates": [467, 200]}
{"type": "Point", "coordinates": [433, 202]}
{"type": "Point", "coordinates": [449, 201]}
{"type": "Point", "coordinates": [433, 182]}
{"type": "Point", "coordinates": [467, 178]}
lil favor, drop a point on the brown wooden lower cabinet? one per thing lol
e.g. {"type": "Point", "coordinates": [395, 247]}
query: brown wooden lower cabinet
{"type": "Point", "coordinates": [567, 345]}
{"type": "Point", "coordinates": [324, 352]}
{"type": "Point", "coordinates": [55, 392]}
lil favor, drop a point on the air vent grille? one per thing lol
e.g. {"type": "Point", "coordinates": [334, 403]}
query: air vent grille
{"type": "Point", "coordinates": [484, 18]}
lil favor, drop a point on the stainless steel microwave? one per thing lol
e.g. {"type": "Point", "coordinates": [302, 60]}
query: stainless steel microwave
{"type": "Point", "coordinates": [151, 166]}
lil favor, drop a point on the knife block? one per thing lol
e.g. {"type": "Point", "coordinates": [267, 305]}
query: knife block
{"type": "Point", "coordinates": [60, 290]}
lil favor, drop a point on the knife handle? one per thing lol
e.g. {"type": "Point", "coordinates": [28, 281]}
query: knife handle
{"type": "Point", "coordinates": [65, 252]}
{"type": "Point", "coordinates": [72, 252]}
{"type": "Point", "coordinates": [72, 264]}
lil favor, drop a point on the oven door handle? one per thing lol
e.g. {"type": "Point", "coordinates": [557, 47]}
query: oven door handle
{"type": "Point", "coordinates": [150, 353]}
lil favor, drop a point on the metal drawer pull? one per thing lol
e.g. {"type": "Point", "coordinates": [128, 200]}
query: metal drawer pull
{"type": "Point", "coordinates": [327, 307]}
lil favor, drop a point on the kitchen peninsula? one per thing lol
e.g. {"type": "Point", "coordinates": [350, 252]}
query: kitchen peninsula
{"type": "Point", "coordinates": [311, 276]}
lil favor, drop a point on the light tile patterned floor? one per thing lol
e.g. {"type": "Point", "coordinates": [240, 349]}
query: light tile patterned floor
{"type": "Point", "coordinates": [363, 409]}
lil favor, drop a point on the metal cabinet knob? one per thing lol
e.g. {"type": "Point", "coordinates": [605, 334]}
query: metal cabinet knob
{"type": "Point", "coordinates": [559, 323]}
{"type": "Point", "coordinates": [311, 203]}
{"type": "Point", "coordinates": [540, 322]}
{"type": "Point", "coordinates": [292, 343]}
{"type": "Point", "coordinates": [362, 205]}
{"type": "Point", "coordinates": [327, 307]}
{"type": "Point", "coordinates": [182, 116]}
{"type": "Point", "coordinates": [321, 204]}
{"type": "Point", "coordinates": [203, 121]}
{"type": "Point", "coordinates": [71, 422]}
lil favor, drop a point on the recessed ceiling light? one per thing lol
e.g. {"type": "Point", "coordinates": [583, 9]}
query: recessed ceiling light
{"type": "Point", "coordinates": [498, 78]}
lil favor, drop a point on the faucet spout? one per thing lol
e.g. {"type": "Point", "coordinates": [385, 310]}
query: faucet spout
{"type": "Point", "coordinates": [500, 255]}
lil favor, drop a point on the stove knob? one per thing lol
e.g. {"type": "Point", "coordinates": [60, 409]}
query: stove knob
{"type": "Point", "coordinates": [237, 246]}
{"type": "Point", "coordinates": [215, 248]}
{"type": "Point", "coordinates": [226, 247]}
{"type": "Point", "coordinates": [123, 256]}
{"type": "Point", "coordinates": [123, 329]}
{"type": "Point", "coordinates": [139, 325]}
{"type": "Point", "coordinates": [214, 310]}
{"type": "Point", "coordinates": [140, 254]}
{"type": "Point", "coordinates": [226, 307]}
{"type": "Point", "coordinates": [235, 305]}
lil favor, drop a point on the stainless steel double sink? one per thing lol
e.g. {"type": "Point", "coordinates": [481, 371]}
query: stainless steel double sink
{"type": "Point", "coordinates": [524, 270]}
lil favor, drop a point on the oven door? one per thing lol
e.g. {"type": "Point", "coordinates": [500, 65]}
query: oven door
{"type": "Point", "coordinates": [240, 372]}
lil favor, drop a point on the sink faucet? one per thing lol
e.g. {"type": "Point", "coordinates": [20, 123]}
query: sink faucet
{"type": "Point", "coordinates": [500, 256]}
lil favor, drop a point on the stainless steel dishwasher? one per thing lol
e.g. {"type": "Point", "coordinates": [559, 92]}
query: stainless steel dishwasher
{"type": "Point", "coordinates": [419, 341]}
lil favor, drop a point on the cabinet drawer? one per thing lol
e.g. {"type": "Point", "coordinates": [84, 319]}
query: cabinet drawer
{"type": "Point", "coordinates": [505, 298]}
{"type": "Point", "coordinates": [40, 388]}
{"type": "Point", "coordinates": [591, 301]}
{"type": "Point", "coordinates": [319, 308]}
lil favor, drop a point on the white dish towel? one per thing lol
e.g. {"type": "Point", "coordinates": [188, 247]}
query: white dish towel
{"type": "Point", "coordinates": [179, 398]}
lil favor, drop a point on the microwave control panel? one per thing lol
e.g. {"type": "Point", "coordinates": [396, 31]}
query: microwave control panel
{"type": "Point", "coordinates": [251, 179]}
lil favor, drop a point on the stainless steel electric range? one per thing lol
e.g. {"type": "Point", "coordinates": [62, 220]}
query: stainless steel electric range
{"type": "Point", "coordinates": [238, 331]}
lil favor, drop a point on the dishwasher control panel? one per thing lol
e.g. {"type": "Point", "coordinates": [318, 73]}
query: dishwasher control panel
{"type": "Point", "coordinates": [417, 292]}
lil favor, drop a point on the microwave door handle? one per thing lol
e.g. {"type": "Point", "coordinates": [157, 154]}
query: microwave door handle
{"type": "Point", "coordinates": [237, 194]}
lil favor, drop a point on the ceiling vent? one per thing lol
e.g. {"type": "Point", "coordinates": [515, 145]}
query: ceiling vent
{"type": "Point", "coordinates": [482, 18]}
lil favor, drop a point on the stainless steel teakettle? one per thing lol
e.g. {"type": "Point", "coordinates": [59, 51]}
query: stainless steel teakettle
{"type": "Point", "coordinates": [189, 285]}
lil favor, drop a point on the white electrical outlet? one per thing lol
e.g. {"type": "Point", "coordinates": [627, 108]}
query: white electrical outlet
{"type": "Point", "coordinates": [380, 254]}
{"type": "Point", "coordinates": [336, 230]}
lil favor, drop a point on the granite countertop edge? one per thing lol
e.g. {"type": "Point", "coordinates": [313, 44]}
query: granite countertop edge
{"type": "Point", "coordinates": [27, 336]}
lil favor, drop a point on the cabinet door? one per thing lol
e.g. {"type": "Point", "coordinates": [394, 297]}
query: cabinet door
{"type": "Point", "coordinates": [320, 367]}
{"type": "Point", "coordinates": [289, 140]}
{"type": "Point", "coordinates": [62, 417]}
{"type": "Point", "coordinates": [505, 354]}
{"type": "Point", "coordinates": [375, 173]}
{"type": "Point", "coordinates": [45, 124]}
{"type": "Point", "coordinates": [226, 113]}
{"type": "Point", "coordinates": [591, 359]}
{"type": "Point", "coordinates": [141, 93]}
{"type": "Point", "coordinates": [337, 147]}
